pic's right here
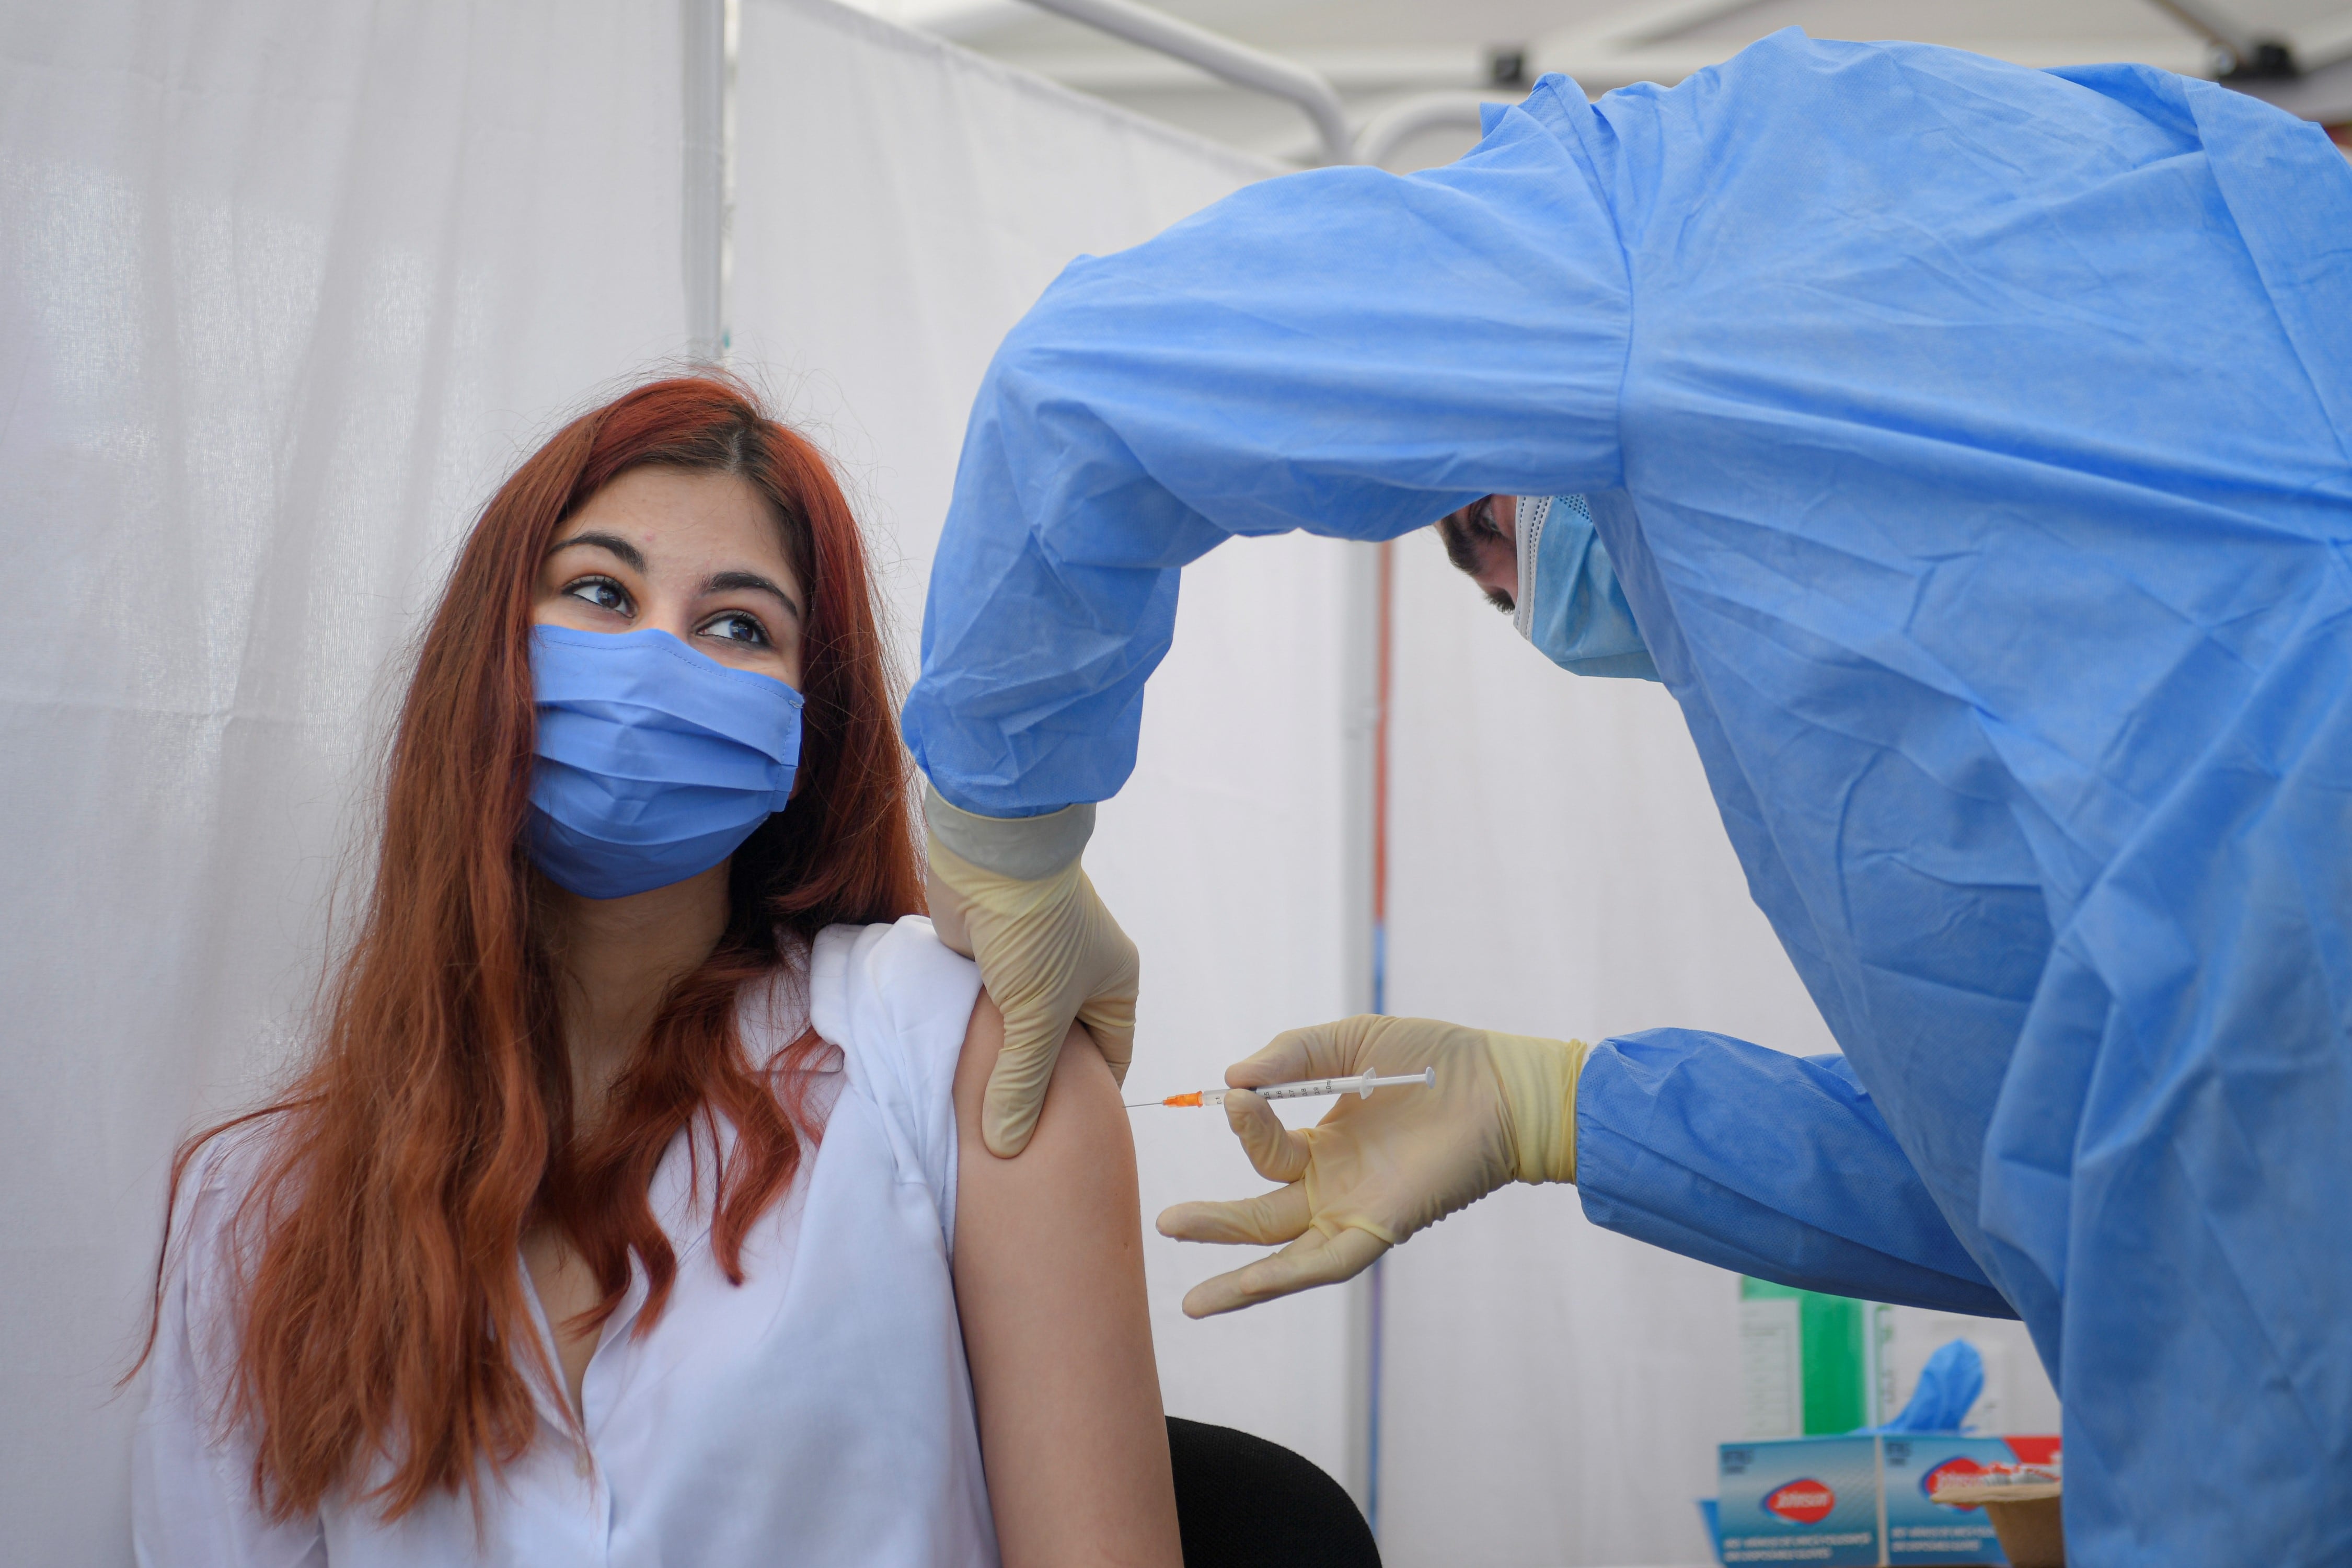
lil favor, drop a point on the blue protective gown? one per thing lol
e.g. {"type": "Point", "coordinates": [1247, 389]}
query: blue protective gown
{"type": "Point", "coordinates": [1971, 442]}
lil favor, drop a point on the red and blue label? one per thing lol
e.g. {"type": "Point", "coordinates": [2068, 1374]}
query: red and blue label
{"type": "Point", "coordinates": [1954, 1470]}
{"type": "Point", "coordinates": [1806, 1501]}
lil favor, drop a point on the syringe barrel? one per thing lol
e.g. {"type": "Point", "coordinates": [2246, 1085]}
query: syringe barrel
{"type": "Point", "coordinates": [1359, 1085]}
{"type": "Point", "coordinates": [1302, 1090]}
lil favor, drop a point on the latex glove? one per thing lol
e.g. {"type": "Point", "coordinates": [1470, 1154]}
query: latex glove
{"type": "Point", "coordinates": [1010, 893]}
{"type": "Point", "coordinates": [1374, 1171]}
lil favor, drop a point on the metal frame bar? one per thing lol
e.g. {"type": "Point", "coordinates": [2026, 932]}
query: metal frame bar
{"type": "Point", "coordinates": [1643, 41]}
{"type": "Point", "coordinates": [1645, 34]}
{"type": "Point", "coordinates": [703, 93]}
{"type": "Point", "coordinates": [1222, 57]}
{"type": "Point", "coordinates": [1400, 122]}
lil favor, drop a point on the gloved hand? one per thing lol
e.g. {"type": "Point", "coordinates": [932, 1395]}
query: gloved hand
{"type": "Point", "coordinates": [1374, 1171]}
{"type": "Point", "coordinates": [1009, 892]}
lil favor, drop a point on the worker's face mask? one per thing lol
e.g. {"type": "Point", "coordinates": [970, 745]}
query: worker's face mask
{"type": "Point", "coordinates": [654, 761]}
{"type": "Point", "coordinates": [1569, 604]}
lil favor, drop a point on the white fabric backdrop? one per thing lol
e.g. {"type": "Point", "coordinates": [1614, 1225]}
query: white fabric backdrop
{"type": "Point", "coordinates": [1557, 868]}
{"type": "Point", "coordinates": [284, 289]}
{"type": "Point", "coordinates": [871, 286]}
{"type": "Point", "coordinates": [1555, 1392]}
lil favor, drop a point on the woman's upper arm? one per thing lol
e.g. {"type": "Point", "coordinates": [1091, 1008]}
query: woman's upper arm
{"type": "Point", "coordinates": [1049, 1285]}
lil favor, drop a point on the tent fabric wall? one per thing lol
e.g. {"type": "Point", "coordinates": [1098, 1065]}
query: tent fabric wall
{"type": "Point", "coordinates": [1557, 868]}
{"type": "Point", "coordinates": [870, 287]}
{"type": "Point", "coordinates": [284, 290]}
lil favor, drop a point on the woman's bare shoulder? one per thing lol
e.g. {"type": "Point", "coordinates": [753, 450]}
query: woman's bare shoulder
{"type": "Point", "coordinates": [1083, 1120]}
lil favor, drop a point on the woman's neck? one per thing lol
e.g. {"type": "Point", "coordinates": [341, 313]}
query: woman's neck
{"type": "Point", "coordinates": [616, 959]}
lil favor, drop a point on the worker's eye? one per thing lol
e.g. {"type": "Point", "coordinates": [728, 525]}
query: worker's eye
{"type": "Point", "coordinates": [736, 625]}
{"type": "Point", "coordinates": [1482, 518]}
{"type": "Point", "coordinates": [602, 593]}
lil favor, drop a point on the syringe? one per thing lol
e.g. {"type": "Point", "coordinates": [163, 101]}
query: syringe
{"type": "Point", "coordinates": [1425, 1078]}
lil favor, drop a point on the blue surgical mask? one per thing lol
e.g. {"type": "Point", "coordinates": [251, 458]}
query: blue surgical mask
{"type": "Point", "coordinates": [654, 761]}
{"type": "Point", "coordinates": [1569, 604]}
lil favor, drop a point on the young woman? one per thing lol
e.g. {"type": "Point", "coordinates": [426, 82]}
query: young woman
{"type": "Point", "coordinates": [632, 1209]}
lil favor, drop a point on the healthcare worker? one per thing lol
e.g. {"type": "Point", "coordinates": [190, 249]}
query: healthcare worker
{"type": "Point", "coordinates": [1968, 450]}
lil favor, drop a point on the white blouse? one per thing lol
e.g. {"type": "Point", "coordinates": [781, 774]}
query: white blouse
{"type": "Point", "coordinates": [819, 1414]}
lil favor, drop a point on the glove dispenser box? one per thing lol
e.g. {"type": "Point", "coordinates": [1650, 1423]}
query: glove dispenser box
{"type": "Point", "coordinates": [1860, 1502]}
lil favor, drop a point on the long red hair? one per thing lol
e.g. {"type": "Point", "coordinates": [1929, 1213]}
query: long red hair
{"type": "Point", "coordinates": [434, 1121]}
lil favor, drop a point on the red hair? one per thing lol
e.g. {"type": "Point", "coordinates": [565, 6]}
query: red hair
{"type": "Point", "coordinates": [434, 1121]}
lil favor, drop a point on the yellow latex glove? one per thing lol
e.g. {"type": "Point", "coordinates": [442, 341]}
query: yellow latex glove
{"type": "Point", "coordinates": [1374, 1171]}
{"type": "Point", "coordinates": [1010, 893]}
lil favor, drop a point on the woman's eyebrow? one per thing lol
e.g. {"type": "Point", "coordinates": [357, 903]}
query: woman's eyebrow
{"type": "Point", "coordinates": [630, 555]}
{"type": "Point", "coordinates": [724, 582]}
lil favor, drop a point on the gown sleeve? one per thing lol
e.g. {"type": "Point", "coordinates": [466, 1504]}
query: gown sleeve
{"type": "Point", "coordinates": [1346, 352]}
{"type": "Point", "coordinates": [1773, 1165]}
{"type": "Point", "coordinates": [192, 1501]}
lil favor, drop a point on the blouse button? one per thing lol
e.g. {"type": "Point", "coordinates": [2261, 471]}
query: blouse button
{"type": "Point", "coordinates": [582, 1465]}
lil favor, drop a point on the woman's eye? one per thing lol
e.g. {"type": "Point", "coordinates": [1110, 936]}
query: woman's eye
{"type": "Point", "coordinates": [601, 591]}
{"type": "Point", "coordinates": [736, 625]}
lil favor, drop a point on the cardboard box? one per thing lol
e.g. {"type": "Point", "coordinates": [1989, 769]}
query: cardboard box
{"type": "Point", "coordinates": [2026, 1514]}
{"type": "Point", "coordinates": [1862, 1502]}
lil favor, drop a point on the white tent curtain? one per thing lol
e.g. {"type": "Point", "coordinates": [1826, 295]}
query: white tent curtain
{"type": "Point", "coordinates": [1555, 1392]}
{"type": "Point", "coordinates": [898, 204]}
{"type": "Point", "coordinates": [284, 289]}
{"type": "Point", "coordinates": [1559, 869]}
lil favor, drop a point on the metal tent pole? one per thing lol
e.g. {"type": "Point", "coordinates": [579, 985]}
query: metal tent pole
{"type": "Point", "coordinates": [703, 27]}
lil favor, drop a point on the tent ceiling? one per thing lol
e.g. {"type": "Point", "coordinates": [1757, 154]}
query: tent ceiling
{"type": "Point", "coordinates": [1376, 52]}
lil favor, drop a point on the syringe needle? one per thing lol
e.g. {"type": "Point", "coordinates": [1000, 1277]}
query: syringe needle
{"type": "Point", "coordinates": [1362, 1085]}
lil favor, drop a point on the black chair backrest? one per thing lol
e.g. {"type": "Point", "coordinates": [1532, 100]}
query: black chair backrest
{"type": "Point", "coordinates": [1243, 1502]}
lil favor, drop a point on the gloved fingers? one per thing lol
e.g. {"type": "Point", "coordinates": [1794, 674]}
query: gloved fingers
{"type": "Point", "coordinates": [1111, 1021]}
{"type": "Point", "coordinates": [1275, 1152]}
{"type": "Point", "coordinates": [1016, 1085]}
{"type": "Point", "coordinates": [1265, 1221]}
{"type": "Point", "coordinates": [1109, 1009]}
{"type": "Point", "coordinates": [1313, 1259]}
{"type": "Point", "coordinates": [1319, 1050]}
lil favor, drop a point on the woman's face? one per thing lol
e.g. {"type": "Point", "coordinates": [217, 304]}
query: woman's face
{"type": "Point", "coordinates": [697, 555]}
